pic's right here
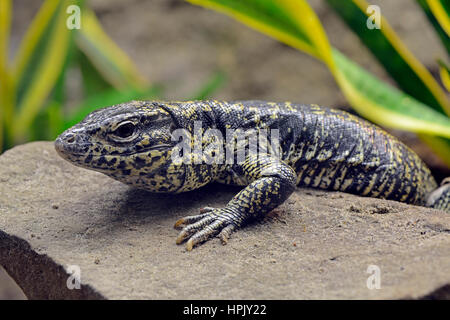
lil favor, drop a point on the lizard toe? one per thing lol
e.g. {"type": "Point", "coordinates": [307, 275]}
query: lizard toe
{"type": "Point", "coordinates": [204, 226]}
{"type": "Point", "coordinates": [189, 220]}
{"type": "Point", "coordinates": [204, 234]}
{"type": "Point", "coordinates": [224, 235]}
{"type": "Point", "coordinates": [204, 212]}
{"type": "Point", "coordinates": [192, 228]}
{"type": "Point", "coordinates": [207, 209]}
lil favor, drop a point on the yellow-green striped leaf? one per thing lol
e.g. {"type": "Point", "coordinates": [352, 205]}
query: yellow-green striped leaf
{"type": "Point", "coordinates": [441, 10]}
{"type": "Point", "coordinates": [443, 35]}
{"type": "Point", "coordinates": [5, 98]}
{"type": "Point", "coordinates": [384, 104]}
{"type": "Point", "coordinates": [444, 71]}
{"type": "Point", "coordinates": [371, 97]}
{"type": "Point", "coordinates": [108, 98]}
{"type": "Point", "coordinates": [110, 61]}
{"type": "Point", "coordinates": [440, 146]}
{"type": "Point", "coordinates": [5, 24]}
{"type": "Point", "coordinates": [38, 64]}
{"type": "Point", "coordinates": [390, 51]}
{"type": "Point", "coordinates": [283, 20]}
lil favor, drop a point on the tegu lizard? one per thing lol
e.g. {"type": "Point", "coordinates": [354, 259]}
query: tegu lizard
{"type": "Point", "coordinates": [174, 147]}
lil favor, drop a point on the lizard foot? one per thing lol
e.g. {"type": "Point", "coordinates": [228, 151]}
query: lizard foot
{"type": "Point", "coordinates": [201, 227]}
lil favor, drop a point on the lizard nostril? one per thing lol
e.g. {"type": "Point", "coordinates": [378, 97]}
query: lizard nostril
{"type": "Point", "coordinates": [70, 138]}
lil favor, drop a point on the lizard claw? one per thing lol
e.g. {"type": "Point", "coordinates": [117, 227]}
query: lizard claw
{"type": "Point", "coordinates": [188, 220]}
{"type": "Point", "coordinates": [207, 224]}
{"type": "Point", "coordinates": [224, 235]}
{"type": "Point", "coordinates": [207, 209]}
{"type": "Point", "coordinates": [192, 219]}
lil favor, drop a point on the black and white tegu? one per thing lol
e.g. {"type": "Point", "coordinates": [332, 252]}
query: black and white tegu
{"type": "Point", "coordinates": [174, 147]}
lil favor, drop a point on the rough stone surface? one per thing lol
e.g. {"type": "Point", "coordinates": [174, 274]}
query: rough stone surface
{"type": "Point", "coordinates": [318, 245]}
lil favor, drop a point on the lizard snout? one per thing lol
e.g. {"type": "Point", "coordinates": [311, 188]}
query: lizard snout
{"type": "Point", "coordinates": [69, 143]}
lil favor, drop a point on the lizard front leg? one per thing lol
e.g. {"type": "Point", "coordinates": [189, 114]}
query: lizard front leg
{"type": "Point", "coordinates": [271, 182]}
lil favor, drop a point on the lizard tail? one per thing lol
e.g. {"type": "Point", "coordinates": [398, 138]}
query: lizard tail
{"type": "Point", "coordinates": [440, 198]}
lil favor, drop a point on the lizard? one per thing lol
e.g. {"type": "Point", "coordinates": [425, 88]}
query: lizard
{"type": "Point", "coordinates": [317, 147]}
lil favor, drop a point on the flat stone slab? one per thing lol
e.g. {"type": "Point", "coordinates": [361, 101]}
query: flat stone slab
{"type": "Point", "coordinates": [318, 245]}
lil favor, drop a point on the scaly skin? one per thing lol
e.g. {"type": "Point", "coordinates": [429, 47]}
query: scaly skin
{"type": "Point", "coordinates": [319, 147]}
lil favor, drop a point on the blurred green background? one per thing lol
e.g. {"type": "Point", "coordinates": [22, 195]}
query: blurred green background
{"type": "Point", "coordinates": [50, 77]}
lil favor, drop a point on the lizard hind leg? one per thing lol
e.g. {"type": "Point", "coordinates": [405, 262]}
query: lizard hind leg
{"type": "Point", "coordinates": [440, 198]}
{"type": "Point", "coordinates": [271, 183]}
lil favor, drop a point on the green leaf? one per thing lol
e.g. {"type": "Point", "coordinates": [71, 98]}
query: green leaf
{"type": "Point", "coordinates": [397, 60]}
{"type": "Point", "coordinates": [443, 35]}
{"type": "Point", "coordinates": [371, 97]}
{"type": "Point", "coordinates": [93, 82]}
{"type": "Point", "coordinates": [55, 119]}
{"type": "Point", "coordinates": [208, 89]}
{"type": "Point", "coordinates": [108, 98]}
{"type": "Point", "coordinates": [5, 24]}
{"type": "Point", "coordinates": [109, 60]}
{"type": "Point", "coordinates": [440, 146]}
{"type": "Point", "coordinates": [444, 71]}
{"type": "Point", "coordinates": [385, 105]}
{"type": "Point", "coordinates": [47, 123]}
{"type": "Point", "coordinates": [5, 85]}
{"type": "Point", "coordinates": [39, 62]}
{"type": "Point", "coordinates": [282, 19]}
{"type": "Point", "coordinates": [441, 10]}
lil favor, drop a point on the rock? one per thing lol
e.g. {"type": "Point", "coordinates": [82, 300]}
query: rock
{"type": "Point", "coordinates": [8, 288]}
{"type": "Point", "coordinates": [55, 218]}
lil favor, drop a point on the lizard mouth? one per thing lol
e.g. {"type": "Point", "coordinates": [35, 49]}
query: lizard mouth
{"type": "Point", "coordinates": [82, 155]}
{"type": "Point", "coordinates": [70, 143]}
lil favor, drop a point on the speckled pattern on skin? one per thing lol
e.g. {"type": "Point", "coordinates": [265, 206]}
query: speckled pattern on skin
{"type": "Point", "coordinates": [319, 147]}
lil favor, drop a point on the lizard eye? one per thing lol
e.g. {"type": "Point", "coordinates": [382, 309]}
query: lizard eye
{"type": "Point", "coordinates": [125, 130]}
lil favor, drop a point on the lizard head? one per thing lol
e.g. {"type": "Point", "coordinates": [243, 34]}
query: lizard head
{"type": "Point", "coordinates": [122, 141]}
